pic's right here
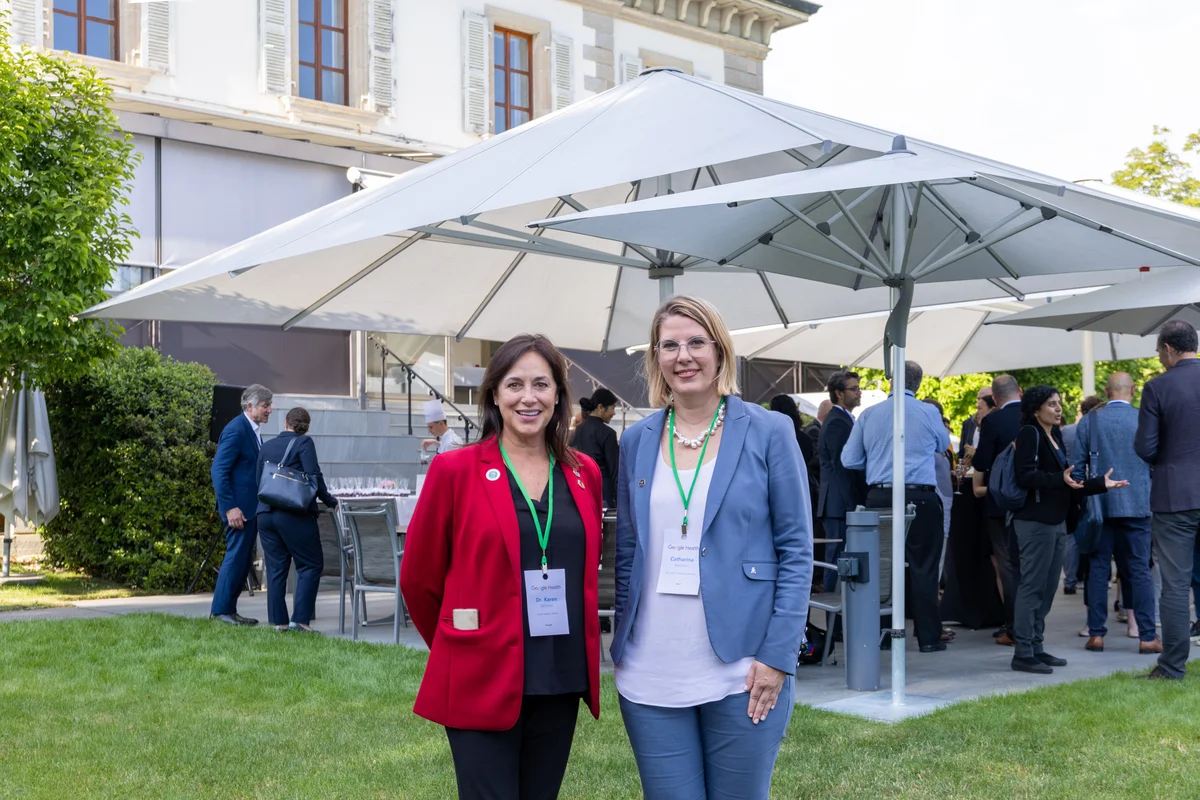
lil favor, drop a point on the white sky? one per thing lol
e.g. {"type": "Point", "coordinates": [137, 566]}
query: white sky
{"type": "Point", "coordinates": [1065, 87]}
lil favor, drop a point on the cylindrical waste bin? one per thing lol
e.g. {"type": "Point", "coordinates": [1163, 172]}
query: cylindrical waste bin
{"type": "Point", "coordinates": [861, 600]}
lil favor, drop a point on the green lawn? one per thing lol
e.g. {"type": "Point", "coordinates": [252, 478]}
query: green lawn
{"type": "Point", "coordinates": [164, 707]}
{"type": "Point", "coordinates": [57, 589]}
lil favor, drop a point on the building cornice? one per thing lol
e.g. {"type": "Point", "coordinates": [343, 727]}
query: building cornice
{"type": "Point", "coordinates": [741, 27]}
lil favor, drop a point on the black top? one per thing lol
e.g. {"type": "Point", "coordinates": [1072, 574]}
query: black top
{"type": "Point", "coordinates": [554, 664]}
{"type": "Point", "coordinates": [599, 442]}
{"type": "Point", "coordinates": [302, 457]}
{"type": "Point", "coordinates": [841, 489]}
{"type": "Point", "coordinates": [1049, 498]}
{"type": "Point", "coordinates": [969, 427]}
{"type": "Point", "coordinates": [997, 431]}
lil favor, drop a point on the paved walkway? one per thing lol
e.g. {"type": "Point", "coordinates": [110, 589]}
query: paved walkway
{"type": "Point", "coordinates": [973, 666]}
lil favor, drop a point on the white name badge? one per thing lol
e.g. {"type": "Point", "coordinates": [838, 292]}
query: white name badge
{"type": "Point", "coordinates": [546, 600]}
{"type": "Point", "coordinates": [679, 572]}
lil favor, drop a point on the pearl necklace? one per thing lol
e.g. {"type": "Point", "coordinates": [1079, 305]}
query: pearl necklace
{"type": "Point", "coordinates": [699, 440]}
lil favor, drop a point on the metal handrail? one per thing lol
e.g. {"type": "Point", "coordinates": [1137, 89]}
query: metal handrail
{"type": "Point", "coordinates": [384, 352]}
{"type": "Point", "coordinates": [626, 406]}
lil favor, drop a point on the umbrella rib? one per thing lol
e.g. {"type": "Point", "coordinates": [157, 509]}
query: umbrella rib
{"type": "Point", "coordinates": [612, 310]}
{"type": "Point", "coordinates": [1164, 319]}
{"type": "Point", "coordinates": [712, 175]}
{"type": "Point", "coordinates": [774, 300]}
{"type": "Point", "coordinates": [835, 241]}
{"type": "Point", "coordinates": [580, 208]}
{"type": "Point", "coordinates": [912, 223]}
{"type": "Point", "coordinates": [984, 182]}
{"type": "Point", "coordinates": [970, 246]}
{"type": "Point", "coordinates": [787, 337]}
{"type": "Point", "coordinates": [857, 227]}
{"type": "Point", "coordinates": [956, 216]}
{"type": "Point", "coordinates": [1112, 345]}
{"type": "Point", "coordinates": [787, 248]}
{"type": "Point", "coordinates": [512, 267]}
{"type": "Point", "coordinates": [962, 347]}
{"type": "Point", "coordinates": [560, 249]}
{"type": "Point", "coordinates": [982, 244]}
{"type": "Point", "coordinates": [1092, 319]}
{"type": "Point", "coordinates": [722, 90]}
{"type": "Point", "coordinates": [358, 276]}
{"type": "Point", "coordinates": [1006, 288]}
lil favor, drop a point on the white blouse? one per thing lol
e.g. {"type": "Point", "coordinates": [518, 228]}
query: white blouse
{"type": "Point", "coordinates": [668, 659]}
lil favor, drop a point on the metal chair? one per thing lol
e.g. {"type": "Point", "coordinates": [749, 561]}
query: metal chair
{"type": "Point", "coordinates": [375, 552]}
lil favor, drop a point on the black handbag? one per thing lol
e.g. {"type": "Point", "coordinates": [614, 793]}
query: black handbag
{"type": "Point", "coordinates": [284, 487]}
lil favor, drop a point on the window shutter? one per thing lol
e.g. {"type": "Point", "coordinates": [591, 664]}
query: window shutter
{"type": "Point", "coordinates": [564, 72]}
{"type": "Point", "coordinates": [631, 67]}
{"type": "Point", "coordinates": [275, 25]}
{"type": "Point", "coordinates": [156, 35]}
{"type": "Point", "coordinates": [27, 22]}
{"type": "Point", "coordinates": [477, 112]}
{"type": "Point", "coordinates": [382, 86]}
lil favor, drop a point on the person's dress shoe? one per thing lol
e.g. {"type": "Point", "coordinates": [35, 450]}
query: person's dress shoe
{"type": "Point", "coordinates": [1005, 640]}
{"type": "Point", "coordinates": [1195, 628]}
{"type": "Point", "coordinates": [228, 619]}
{"type": "Point", "coordinates": [1049, 660]}
{"type": "Point", "coordinates": [1095, 644]}
{"type": "Point", "coordinates": [1031, 665]}
{"type": "Point", "coordinates": [295, 627]}
{"type": "Point", "coordinates": [1000, 632]}
{"type": "Point", "coordinates": [1159, 674]}
{"type": "Point", "coordinates": [244, 620]}
{"type": "Point", "coordinates": [1085, 632]}
{"type": "Point", "coordinates": [1146, 648]}
{"type": "Point", "coordinates": [1068, 590]}
{"type": "Point", "coordinates": [937, 647]}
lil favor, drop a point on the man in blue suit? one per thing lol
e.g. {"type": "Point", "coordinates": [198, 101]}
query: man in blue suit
{"type": "Point", "coordinates": [235, 481]}
{"type": "Point", "coordinates": [841, 489]}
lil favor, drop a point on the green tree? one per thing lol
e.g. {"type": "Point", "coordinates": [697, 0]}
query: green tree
{"type": "Point", "coordinates": [65, 170]}
{"type": "Point", "coordinates": [1160, 172]}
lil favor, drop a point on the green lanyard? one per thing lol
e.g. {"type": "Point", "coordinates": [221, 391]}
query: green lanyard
{"type": "Point", "coordinates": [687, 497]}
{"type": "Point", "coordinates": [543, 535]}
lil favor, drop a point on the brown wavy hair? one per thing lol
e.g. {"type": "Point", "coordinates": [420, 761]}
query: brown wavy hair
{"type": "Point", "coordinates": [558, 431]}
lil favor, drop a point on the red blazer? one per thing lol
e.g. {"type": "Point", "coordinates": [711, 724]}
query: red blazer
{"type": "Point", "coordinates": [463, 550]}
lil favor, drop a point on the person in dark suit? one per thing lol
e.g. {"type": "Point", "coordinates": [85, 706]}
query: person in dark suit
{"type": "Point", "coordinates": [984, 403]}
{"type": "Point", "coordinates": [1168, 439]}
{"type": "Point", "coordinates": [289, 535]}
{"type": "Point", "coordinates": [235, 481]}
{"type": "Point", "coordinates": [596, 440]}
{"type": "Point", "coordinates": [841, 489]}
{"type": "Point", "coordinates": [500, 575]}
{"type": "Point", "coordinates": [813, 429]}
{"type": "Point", "coordinates": [1043, 470]}
{"type": "Point", "coordinates": [997, 431]}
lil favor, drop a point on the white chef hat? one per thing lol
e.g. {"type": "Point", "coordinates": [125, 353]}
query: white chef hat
{"type": "Point", "coordinates": [434, 412]}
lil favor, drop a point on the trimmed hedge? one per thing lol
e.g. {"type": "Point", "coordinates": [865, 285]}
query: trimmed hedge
{"type": "Point", "coordinates": [133, 454]}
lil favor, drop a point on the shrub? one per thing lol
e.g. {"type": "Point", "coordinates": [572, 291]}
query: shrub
{"type": "Point", "coordinates": [133, 454]}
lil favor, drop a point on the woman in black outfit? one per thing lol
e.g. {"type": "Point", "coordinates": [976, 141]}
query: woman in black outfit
{"type": "Point", "coordinates": [1042, 469]}
{"type": "Point", "coordinates": [787, 406]}
{"type": "Point", "coordinates": [288, 535]}
{"type": "Point", "coordinates": [596, 439]}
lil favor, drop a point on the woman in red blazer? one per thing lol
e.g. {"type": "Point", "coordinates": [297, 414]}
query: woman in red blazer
{"type": "Point", "coordinates": [500, 577]}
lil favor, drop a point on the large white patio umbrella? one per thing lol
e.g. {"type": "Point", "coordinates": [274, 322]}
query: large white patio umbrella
{"type": "Point", "coordinates": [28, 479]}
{"type": "Point", "coordinates": [441, 250]}
{"type": "Point", "coordinates": [1139, 308]}
{"type": "Point", "coordinates": [925, 214]}
{"type": "Point", "coordinates": [943, 340]}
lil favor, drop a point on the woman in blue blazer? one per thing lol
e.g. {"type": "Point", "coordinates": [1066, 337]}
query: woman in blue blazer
{"type": "Point", "coordinates": [288, 535]}
{"type": "Point", "coordinates": [713, 568]}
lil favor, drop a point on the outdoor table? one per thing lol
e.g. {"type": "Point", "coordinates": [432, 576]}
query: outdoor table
{"type": "Point", "coordinates": [970, 597]}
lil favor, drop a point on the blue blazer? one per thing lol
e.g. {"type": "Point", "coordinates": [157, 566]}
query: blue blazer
{"type": "Point", "coordinates": [235, 469]}
{"type": "Point", "coordinates": [302, 457]}
{"type": "Point", "coordinates": [1109, 432]}
{"type": "Point", "coordinates": [756, 548]}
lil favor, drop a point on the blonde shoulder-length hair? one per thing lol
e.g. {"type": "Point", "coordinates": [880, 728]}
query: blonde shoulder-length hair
{"type": "Point", "coordinates": [706, 316]}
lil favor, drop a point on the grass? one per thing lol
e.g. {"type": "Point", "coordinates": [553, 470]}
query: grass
{"type": "Point", "coordinates": [165, 707]}
{"type": "Point", "coordinates": [57, 589]}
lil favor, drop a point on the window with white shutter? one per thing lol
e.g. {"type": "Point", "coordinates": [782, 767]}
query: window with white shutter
{"type": "Point", "coordinates": [382, 84]}
{"type": "Point", "coordinates": [274, 23]}
{"type": "Point", "coordinates": [477, 105]}
{"type": "Point", "coordinates": [563, 68]}
{"type": "Point", "coordinates": [27, 22]}
{"type": "Point", "coordinates": [631, 67]}
{"type": "Point", "coordinates": [156, 35]}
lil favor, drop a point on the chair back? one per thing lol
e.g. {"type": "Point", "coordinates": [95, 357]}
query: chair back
{"type": "Point", "coordinates": [371, 525]}
{"type": "Point", "coordinates": [331, 542]}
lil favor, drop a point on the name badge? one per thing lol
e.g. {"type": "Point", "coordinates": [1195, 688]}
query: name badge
{"type": "Point", "coordinates": [546, 602]}
{"type": "Point", "coordinates": [679, 572]}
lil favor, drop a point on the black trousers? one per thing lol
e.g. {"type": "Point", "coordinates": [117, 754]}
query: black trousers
{"type": "Point", "coordinates": [526, 762]}
{"type": "Point", "coordinates": [922, 549]}
{"type": "Point", "coordinates": [1003, 548]}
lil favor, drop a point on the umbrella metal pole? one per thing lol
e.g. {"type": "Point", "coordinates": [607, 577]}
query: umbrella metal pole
{"type": "Point", "coordinates": [666, 288]}
{"type": "Point", "coordinates": [8, 539]}
{"type": "Point", "coordinates": [899, 671]}
{"type": "Point", "coordinates": [1088, 364]}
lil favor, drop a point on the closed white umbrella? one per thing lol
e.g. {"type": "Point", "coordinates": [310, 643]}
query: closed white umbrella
{"type": "Point", "coordinates": [944, 341]}
{"type": "Point", "coordinates": [911, 215]}
{"type": "Point", "coordinates": [28, 479]}
{"type": "Point", "coordinates": [1139, 308]}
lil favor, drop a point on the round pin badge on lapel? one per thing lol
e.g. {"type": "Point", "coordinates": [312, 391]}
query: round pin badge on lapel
{"type": "Point", "coordinates": [492, 475]}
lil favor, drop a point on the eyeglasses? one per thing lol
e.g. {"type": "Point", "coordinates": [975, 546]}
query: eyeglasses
{"type": "Point", "coordinates": [697, 346]}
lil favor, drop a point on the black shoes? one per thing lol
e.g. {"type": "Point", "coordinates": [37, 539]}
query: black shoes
{"type": "Point", "coordinates": [233, 619]}
{"type": "Point", "coordinates": [1068, 590]}
{"type": "Point", "coordinates": [1195, 628]}
{"type": "Point", "coordinates": [1049, 660]}
{"type": "Point", "coordinates": [244, 620]}
{"type": "Point", "coordinates": [933, 648]}
{"type": "Point", "coordinates": [1031, 665]}
{"type": "Point", "coordinates": [1159, 674]}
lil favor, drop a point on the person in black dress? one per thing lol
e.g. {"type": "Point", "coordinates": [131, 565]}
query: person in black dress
{"type": "Point", "coordinates": [594, 438]}
{"type": "Point", "coordinates": [288, 535]}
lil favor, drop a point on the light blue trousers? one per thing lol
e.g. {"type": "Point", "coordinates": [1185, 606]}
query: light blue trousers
{"type": "Point", "coordinates": [708, 752]}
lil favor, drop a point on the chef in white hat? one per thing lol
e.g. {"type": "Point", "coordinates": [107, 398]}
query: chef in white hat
{"type": "Point", "coordinates": [445, 439]}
